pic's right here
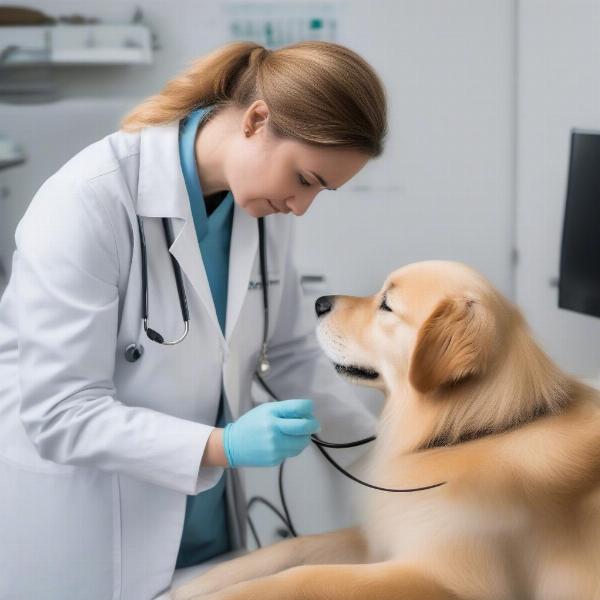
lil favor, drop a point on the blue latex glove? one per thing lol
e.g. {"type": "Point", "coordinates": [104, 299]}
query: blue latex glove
{"type": "Point", "coordinates": [269, 433]}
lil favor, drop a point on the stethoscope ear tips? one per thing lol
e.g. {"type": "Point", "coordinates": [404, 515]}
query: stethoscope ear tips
{"type": "Point", "coordinates": [133, 352]}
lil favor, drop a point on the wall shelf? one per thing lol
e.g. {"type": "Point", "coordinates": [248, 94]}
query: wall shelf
{"type": "Point", "coordinates": [85, 44]}
{"type": "Point", "coordinates": [11, 153]}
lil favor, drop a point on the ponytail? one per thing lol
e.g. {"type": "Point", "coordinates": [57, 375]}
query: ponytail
{"type": "Point", "coordinates": [317, 92]}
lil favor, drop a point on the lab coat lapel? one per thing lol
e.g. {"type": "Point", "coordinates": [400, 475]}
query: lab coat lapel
{"type": "Point", "coordinates": [186, 251]}
{"type": "Point", "coordinates": [162, 193]}
{"type": "Point", "coordinates": [242, 255]}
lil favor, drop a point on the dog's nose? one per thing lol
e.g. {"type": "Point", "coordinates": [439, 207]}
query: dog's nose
{"type": "Point", "coordinates": [323, 305]}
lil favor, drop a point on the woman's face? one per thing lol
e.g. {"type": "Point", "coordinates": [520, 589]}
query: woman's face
{"type": "Point", "coordinates": [269, 174]}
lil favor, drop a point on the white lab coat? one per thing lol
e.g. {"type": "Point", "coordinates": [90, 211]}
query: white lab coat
{"type": "Point", "coordinates": [97, 454]}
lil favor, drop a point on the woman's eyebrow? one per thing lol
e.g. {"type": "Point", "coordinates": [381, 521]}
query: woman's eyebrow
{"type": "Point", "coordinates": [322, 181]}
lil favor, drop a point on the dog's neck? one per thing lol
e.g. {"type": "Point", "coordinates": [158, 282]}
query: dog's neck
{"type": "Point", "coordinates": [444, 439]}
{"type": "Point", "coordinates": [524, 386]}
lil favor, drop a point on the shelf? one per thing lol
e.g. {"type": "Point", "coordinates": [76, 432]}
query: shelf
{"type": "Point", "coordinates": [75, 45]}
{"type": "Point", "coordinates": [11, 154]}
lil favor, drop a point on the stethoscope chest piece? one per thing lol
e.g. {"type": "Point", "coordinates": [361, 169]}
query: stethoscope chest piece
{"type": "Point", "coordinates": [133, 352]}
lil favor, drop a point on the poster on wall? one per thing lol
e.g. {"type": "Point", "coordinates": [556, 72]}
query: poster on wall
{"type": "Point", "coordinates": [274, 24]}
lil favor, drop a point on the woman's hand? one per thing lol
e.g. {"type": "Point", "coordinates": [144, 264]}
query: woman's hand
{"type": "Point", "coordinates": [269, 433]}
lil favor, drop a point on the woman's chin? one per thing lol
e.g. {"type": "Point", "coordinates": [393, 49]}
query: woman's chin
{"type": "Point", "coordinates": [260, 209]}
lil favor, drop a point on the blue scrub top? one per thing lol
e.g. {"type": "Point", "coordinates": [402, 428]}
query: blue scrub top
{"type": "Point", "coordinates": [205, 529]}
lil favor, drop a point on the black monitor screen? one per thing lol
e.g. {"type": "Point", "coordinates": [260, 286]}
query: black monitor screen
{"type": "Point", "coordinates": [579, 282]}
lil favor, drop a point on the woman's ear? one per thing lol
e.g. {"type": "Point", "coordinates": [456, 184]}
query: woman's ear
{"type": "Point", "coordinates": [455, 343]}
{"type": "Point", "coordinates": [255, 117]}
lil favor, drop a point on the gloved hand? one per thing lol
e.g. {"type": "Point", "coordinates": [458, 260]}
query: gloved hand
{"type": "Point", "coordinates": [269, 433]}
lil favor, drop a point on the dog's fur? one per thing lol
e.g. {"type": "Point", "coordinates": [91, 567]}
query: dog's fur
{"type": "Point", "coordinates": [471, 400]}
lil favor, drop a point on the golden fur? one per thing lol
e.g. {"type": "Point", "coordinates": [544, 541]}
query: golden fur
{"type": "Point", "coordinates": [470, 400]}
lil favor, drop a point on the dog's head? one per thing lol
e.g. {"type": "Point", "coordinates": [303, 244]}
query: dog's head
{"type": "Point", "coordinates": [433, 324]}
{"type": "Point", "coordinates": [454, 355]}
{"type": "Point", "coordinates": [440, 331]}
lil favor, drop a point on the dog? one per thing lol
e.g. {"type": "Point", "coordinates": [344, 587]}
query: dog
{"type": "Point", "coordinates": [472, 402]}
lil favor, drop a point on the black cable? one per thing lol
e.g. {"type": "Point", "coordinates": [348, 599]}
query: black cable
{"type": "Point", "coordinates": [317, 440]}
{"type": "Point", "coordinates": [271, 506]}
{"type": "Point", "coordinates": [320, 444]}
{"type": "Point", "coordinates": [253, 529]}
{"type": "Point", "coordinates": [284, 503]}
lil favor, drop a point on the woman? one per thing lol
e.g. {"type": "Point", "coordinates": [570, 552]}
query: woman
{"type": "Point", "coordinates": [114, 446]}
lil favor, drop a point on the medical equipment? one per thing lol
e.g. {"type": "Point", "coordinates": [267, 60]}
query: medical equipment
{"type": "Point", "coordinates": [320, 445]}
{"type": "Point", "coordinates": [134, 352]}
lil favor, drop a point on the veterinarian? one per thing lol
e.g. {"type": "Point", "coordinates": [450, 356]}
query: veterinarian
{"type": "Point", "coordinates": [119, 445]}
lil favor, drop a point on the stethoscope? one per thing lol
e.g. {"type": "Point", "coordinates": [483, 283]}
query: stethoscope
{"type": "Point", "coordinates": [133, 352]}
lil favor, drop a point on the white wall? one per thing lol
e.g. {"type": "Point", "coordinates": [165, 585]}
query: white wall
{"type": "Point", "coordinates": [558, 88]}
{"type": "Point", "coordinates": [444, 188]}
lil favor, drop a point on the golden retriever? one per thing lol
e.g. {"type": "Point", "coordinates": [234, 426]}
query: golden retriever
{"type": "Point", "coordinates": [470, 400]}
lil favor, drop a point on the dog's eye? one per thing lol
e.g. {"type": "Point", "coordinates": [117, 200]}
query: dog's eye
{"type": "Point", "coordinates": [384, 306]}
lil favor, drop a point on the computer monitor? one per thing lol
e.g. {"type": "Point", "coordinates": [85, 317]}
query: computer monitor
{"type": "Point", "coordinates": [579, 279]}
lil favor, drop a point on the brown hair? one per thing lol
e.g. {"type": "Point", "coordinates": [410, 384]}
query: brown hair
{"type": "Point", "coordinates": [317, 92]}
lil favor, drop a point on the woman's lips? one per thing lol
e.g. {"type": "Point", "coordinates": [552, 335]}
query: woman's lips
{"type": "Point", "coordinates": [272, 205]}
{"type": "Point", "coordinates": [285, 210]}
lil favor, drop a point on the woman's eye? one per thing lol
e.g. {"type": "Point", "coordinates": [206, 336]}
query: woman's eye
{"type": "Point", "coordinates": [302, 180]}
{"type": "Point", "coordinates": [384, 306]}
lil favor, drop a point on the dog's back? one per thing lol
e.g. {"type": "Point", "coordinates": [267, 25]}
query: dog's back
{"type": "Point", "coordinates": [519, 516]}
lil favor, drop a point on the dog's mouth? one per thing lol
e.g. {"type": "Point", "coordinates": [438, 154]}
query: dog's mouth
{"type": "Point", "coordinates": [357, 372]}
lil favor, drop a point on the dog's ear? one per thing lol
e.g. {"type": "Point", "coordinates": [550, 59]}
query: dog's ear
{"type": "Point", "coordinates": [453, 344]}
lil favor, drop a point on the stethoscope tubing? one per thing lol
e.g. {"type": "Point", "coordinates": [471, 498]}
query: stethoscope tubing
{"type": "Point", "coordinates": [153, 334]}
{"type": "Point", "coordinates": [323, 444]}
